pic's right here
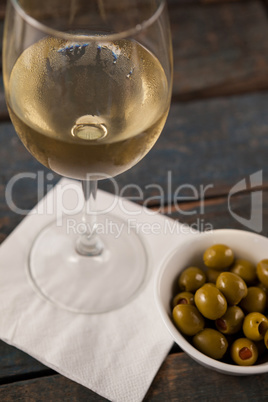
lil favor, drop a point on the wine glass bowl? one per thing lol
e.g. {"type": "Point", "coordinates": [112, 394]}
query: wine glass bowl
{"type": "Point", "coordinates": [76, 127]}
{"type": "Point", "coordinates": [88, 88]}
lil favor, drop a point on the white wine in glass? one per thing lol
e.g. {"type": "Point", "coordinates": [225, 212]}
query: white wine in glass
{"type": "Point", "coordinates": [88, 88]}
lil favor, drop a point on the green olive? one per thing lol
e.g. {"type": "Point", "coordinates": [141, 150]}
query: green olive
{"type": "Point", "coordinates": [218, 256]}
{"type": "Point", "coordinates": [232, 286]}
{"type": "Point", "coordinates": [212, 275]}
{"type": "Point", "coordinates": [245, 269]}
{"type": "Point", "coordinates": [262, 287]}
{"type": "Point", "coordinates": [191, 279]}
{"type": "Point", "coordinates": [211, 342]}
{"type": "Point", "coordinates": [266, 339]}
{"type": "Point", "coordinates": [231, 322]}
{"type": "Point", "coordinates": [210, 301]}
{"type": "Point", "coordinates": [244, 352]}
{"type": "Point", "coordinates": [188, 319]}
{"type": "Point", "coordinates": [183, 298]}
{"type": "Point", "coordinates": [255, 300]}
{"type": "Point", "coordinates": [262, 272]}
{"type": "Point", "coordinates": [219, 298]}
{"type": "Point", "coordinates": [255, 326]}
{"type": "Point", "coordinates": [262, 349]}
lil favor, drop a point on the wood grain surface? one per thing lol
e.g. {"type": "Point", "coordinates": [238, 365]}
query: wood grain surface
{"type": "Point", "coordinates": [182, 379]}
{"type": "Point", "coordinates": [216, 136]}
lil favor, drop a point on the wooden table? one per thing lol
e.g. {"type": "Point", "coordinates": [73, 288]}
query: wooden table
{"type": "Point", "coordinates": [215, 137]}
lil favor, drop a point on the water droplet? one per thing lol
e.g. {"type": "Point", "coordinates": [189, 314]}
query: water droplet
{"type": "Point", "coordinates": [130, 73]}
{"type": "Point", "coordinates": [74, 52]}
{"type": "Point", "coordinates": [115, 57]}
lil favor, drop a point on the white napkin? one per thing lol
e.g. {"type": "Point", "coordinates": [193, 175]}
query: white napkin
{"type": "Point", "coordinates": [116, 354]}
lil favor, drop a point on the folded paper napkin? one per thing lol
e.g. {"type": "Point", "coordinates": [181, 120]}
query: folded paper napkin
{"type": "Point", "coordinates": [116, 354]}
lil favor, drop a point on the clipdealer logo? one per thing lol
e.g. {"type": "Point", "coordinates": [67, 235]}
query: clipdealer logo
{"type": "Point", "coordinates": [251, 185]}
{"type": "Point", "coordinates": [255, 220]}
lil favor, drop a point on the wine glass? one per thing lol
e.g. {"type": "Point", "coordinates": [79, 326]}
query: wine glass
{"type": "Point", "coordinates": [88, 89]}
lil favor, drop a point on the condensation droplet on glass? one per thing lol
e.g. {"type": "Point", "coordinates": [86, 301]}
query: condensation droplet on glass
{"type": "Point", "coordinates": [130, 73]}
{"type": "Point", "coordinates": [115, 57]}
{"type": "Point", "coordinates": [74, 52]}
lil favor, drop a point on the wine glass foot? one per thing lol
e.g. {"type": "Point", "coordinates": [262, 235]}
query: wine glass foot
{"type": "Point", "coordinates": [88, 284]}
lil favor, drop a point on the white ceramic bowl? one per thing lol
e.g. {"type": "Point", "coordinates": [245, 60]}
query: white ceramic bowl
{"type": "Point", "coordinates": [245, 245]}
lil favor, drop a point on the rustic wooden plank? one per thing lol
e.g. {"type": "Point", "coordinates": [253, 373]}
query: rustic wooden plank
{"type": "Point", "coordinates": [212, 143]}
{"type": "Point", "coordinates": [179, 379]}
{"type": "Point", "coordinates": [217, 1]}
{"type": "Point", "coordinates": [15, 160]}
{"type": "Point", "coordinates": [180, 143]}
{"type": "Point", "coordinates": [182, 379]}
{"type": "Point", "coordinates": [217, 213]}
{"type": "Point", "coordinates": [2, 8]}
{"type": "Point", "coordinates": [15, 363]}
{"type": "Point", "coordinates": [3, 108]}
{"type": "Point", "coordinates": [219, 49]}
{"type": "Point", "coordinates": [182, 2]}
{"type": "Point", "coordinates": [53, 388]}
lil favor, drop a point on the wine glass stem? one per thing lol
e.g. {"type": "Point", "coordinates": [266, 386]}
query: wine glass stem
{"type": "Point", "coordinates": [89, 243]}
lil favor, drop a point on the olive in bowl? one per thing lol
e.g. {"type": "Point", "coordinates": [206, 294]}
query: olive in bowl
{"type": "Point", "coordinates": [245, 245]}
